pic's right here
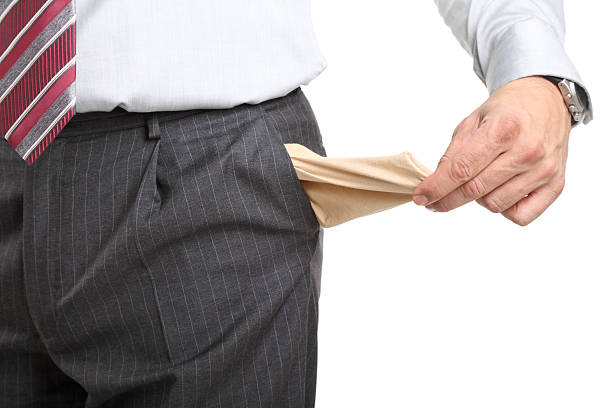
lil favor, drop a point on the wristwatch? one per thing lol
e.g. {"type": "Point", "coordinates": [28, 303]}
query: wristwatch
{"type": "Point", "coordinates": [573, 96]}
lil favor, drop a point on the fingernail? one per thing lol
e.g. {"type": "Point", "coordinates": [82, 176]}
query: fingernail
{"type": "Point", "coordinates": [430, 208]}
{"type": "Point", "coordinates": [420, 200]}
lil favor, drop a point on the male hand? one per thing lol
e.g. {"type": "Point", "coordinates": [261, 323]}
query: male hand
{"type": "Point", "coordinates": [509, 154]}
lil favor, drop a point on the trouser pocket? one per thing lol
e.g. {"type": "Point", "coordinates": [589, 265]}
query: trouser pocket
{"type": "Point", "coordinates": [228, 234]}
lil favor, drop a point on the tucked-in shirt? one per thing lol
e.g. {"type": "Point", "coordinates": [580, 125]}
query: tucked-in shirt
{"type": "Point", "coordinates": [148, 55]}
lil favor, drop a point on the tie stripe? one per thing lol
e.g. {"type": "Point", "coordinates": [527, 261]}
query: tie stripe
{"type": "Point", "coordinates": [37, 149]}
{"type": "Point", "coordinates": [17, 17]}
{"type": "Point", "coordinates": [55, 89]}
{"type": "Point", "coordinates": [29, 33]}
{"type": "Point", "coordinates": [36, 78]}
{"type": "Point", "coordinates": [37, 72]}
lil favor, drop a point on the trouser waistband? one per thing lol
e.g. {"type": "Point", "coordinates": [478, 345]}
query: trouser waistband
{"type": "Point", "coordinates": [101, 121]}
{"type": "Point", "coordinates": [119, 118]}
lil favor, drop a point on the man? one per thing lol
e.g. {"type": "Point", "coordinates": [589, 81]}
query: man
{"type": "Point", "coordinates": [160, 250]}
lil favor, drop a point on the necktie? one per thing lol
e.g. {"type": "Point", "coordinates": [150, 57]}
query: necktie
{"type": "Point", "coordinates": [37, 72]}
{"type": "Point", "coordinates": [343, 188]}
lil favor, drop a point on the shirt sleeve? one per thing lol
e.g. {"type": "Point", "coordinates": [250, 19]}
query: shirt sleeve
{"type": "Point", "coordinates": [511, 39]}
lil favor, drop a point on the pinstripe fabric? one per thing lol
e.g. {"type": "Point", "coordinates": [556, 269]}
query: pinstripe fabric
{"type": "Point", "coordinates": [37, 72]}
{"type": "Point", "coordinates": [166, 261]}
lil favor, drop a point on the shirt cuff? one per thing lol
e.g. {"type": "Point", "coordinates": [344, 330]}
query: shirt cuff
{"type": "Point", "coordinates": [527, 48]}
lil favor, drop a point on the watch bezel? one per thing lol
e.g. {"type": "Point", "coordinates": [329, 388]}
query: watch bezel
{"type": "Point", "coordinates": [572, 97]}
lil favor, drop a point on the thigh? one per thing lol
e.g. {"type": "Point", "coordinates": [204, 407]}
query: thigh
{"type": "Point", "coordinates": [28, 376]}
{"type": "Point", "coordinates": [233, 249]}
{"type": "Point", "coordinates": [182, 269]}
{"type": "Point", "coordinates": [90, 296]}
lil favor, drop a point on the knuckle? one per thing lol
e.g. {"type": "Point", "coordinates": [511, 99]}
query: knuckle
{"type": "Point", "coordinates": [443, 159]}
{"type": "Point", "coordinates": [461, 169]}
{"type": "Point", "coordinates": [466, 124]}
{"type": "Point", "coordinates": [508, 129]}
{"type": "Point", "coordinates": [460, 127]}
{"type": "Point", "coordinates": [430, 191]}
{"type": "Point", "coordinates": [426, 186]}
{"type": "Point", "coordinates": [549, 168]}
{"type": "Point", "coordinates": [474, 188]}
{"type": "Point", "coordinates": [532, 153]}
{"type": "Point", "coordinates": [558, 187]}
{"type": "Point", "coordinates": [442, 206]}
{"type": "Point", "coordinates": [561, 183]}
{"type": "Point", "coordinates": [521, 220]}
{"type": "Point", "coordinates": [494, 204]}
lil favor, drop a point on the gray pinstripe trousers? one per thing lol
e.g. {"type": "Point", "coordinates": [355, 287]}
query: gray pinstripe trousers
{"type": "Point", "coordinates": [162, 259]}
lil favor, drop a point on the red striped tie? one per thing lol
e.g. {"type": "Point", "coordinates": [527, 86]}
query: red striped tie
{"type": "Point", "coordinates": [37, 72]}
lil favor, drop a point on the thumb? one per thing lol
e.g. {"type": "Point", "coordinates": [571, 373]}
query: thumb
{"type": "Point", "coordinates": [461, 135]}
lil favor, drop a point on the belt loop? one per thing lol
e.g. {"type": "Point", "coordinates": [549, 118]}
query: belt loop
{"type": "Point", "coordinates": [153, 129]}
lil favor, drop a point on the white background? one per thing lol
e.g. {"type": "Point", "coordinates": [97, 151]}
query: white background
{"type": "Point", "coordinates": [458, 309]}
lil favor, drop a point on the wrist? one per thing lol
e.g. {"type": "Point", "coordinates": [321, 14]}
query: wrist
{"type": "Point", "coordinates": [574, 98]}
{"type": "Point", "coordinates": [542, 95]}
{"type": "Point", "coordinates": [557, 96]}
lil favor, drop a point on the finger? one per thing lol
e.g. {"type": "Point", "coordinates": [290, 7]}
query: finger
{"type": "Point", "coordinates": [505, 196]}
{"type": "Point", "coordinates": [464, 130]}
{"type": "Point", "coordinates": [496, 174]}
{"type": "Point", "coordinates": [532, 206]}
{"type": "Point", "coordinates": [467, 158]}
{"type": "Point", "coordinates": [515, 189]}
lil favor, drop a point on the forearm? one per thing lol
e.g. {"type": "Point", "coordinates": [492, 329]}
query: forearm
{"type": "Point", "coordinates": [512, 39]}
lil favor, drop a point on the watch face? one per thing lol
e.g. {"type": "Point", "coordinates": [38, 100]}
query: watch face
{"type": "Point", "coordinates": [582, 96]}
{"type": "Point", "coordinates": [577, 100]}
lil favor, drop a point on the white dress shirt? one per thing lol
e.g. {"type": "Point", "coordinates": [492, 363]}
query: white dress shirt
{"type": "Point", "coordinates": [511, 39]}
{"type": "Point", "coordinates": [150, 55]}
